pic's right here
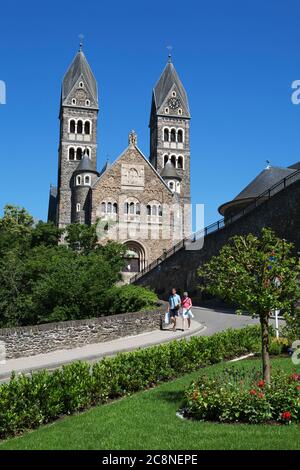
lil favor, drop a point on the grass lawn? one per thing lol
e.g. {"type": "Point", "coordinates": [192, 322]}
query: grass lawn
{"type": "Point", "coordinates": [147, 420]}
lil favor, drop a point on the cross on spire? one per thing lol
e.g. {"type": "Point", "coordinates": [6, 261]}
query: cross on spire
{"type": "Point", "coordinates": [81, 38]}
{"type": "Point", "coordinates": [170, 53]}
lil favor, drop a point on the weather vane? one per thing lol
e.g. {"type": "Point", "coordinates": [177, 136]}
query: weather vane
{"type": "Point", "coordinates": [170, 50]}
{"type": "Point", "coordinates": [81, 38]}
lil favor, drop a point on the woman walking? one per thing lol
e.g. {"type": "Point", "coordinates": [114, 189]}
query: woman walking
{"type": "Point", "coordinates": [187, 314]}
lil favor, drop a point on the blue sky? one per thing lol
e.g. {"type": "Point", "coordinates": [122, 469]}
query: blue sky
{"type": "Point", "coordinates": [237, 60]}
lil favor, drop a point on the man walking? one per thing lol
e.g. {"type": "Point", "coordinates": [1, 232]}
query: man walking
{"type": "Point", "coordinates": [174, 306]}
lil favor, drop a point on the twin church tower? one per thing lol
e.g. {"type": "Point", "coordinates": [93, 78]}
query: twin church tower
{"type": "Point", "coordinates": [142, 203]}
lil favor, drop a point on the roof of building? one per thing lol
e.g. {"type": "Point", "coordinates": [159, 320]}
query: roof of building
{"type": "Point", "coordinates": [296, 166]}
{"type": "Point", "coordinates": [265, 180]}
{"type": "Point", "coordinates": [79, 68]}
{"type": "Point", "coordinates": [85, 164]}
{"type": "Point", "coordinates": [169, 171]}
{"type": "Point", "coordinates": [167, 80]}
{"type": "Point", "coordinates": [106, 166]}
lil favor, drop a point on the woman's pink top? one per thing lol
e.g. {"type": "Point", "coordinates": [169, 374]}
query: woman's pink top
{"type": "Point", "coordinates": [186, 302]}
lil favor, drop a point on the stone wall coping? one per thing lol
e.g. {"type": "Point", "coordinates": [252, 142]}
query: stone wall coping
{"type": "Point", "coordinates": [161, 306]}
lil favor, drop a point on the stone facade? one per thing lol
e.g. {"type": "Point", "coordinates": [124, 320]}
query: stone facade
{"type": "Point", "coordinates": [158, 204]}
{"type": "Point", "coordinates": [40, 339]}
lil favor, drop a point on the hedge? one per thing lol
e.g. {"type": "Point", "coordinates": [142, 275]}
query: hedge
{"type": "Point", "coordinates": [29, 401]}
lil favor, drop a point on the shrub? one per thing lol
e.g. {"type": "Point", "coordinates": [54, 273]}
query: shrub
{"type": "Point", "coordinates": [129, 298]}
{"type": "Point", "coordinates": [239, 396]}
{"type": "Point", "coordinates": [29, 401]}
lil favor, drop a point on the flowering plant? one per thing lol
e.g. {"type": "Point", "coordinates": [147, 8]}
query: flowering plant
{"type": "Point", "coordinates": [237, 395]}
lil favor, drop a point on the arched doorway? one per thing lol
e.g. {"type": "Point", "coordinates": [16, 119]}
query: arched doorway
{"type": "Point", "coordinates": [135, 257]}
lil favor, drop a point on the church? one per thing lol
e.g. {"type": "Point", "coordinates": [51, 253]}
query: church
{"type": "Point", "coordinates": [141, 202]}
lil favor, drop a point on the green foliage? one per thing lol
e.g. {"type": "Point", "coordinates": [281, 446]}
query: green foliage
{"type": "Point", "coordinates": [129, 298]}
{"type": "Point", "coordinates": [28, 401]}
{"type": "Point", "coordinates": [292, 327]}
{"type": "Point", "coordinates": [43, 281]}
{"type": "Point", "coordinates": [259, 274]}
{"type": "Point", "coordinates": [238, 395]}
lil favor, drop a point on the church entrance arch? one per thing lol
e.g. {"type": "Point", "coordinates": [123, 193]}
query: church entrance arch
{"type": "Point", "coordinates": [135, 257]}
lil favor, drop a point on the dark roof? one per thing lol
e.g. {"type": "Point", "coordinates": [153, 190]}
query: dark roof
{"type": "Point", "coordinates": [169, 171]}
{"type": "Point", "coordinates": [167, 80]}
{"type": "Point", "coordinates": [296, 166]}
{"type": "Point", "coordinates": [267, 178]}
{"type": "Point", "coordinates": [85, 164]}
{"type": "Point", "coordinates": [106, 166]}
{"type": "Point", "coordinates": [79, 68]}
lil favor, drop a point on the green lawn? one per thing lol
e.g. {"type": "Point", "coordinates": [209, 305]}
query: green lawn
{"type": "Point", "coordinates": [147, 420]}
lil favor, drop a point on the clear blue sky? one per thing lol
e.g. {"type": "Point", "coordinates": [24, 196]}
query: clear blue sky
{"type": "Point", "coordinates": [237, 60]}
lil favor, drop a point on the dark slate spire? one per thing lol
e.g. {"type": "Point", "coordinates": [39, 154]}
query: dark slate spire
{"type": "Point", "coordinates": [168, 80]}
{"type": "Point", "coordinates": [79, 69]}
{"type": "Point", "coordinates": [169, 172]}
{"type": "Point", "coordinates": [85, 164]}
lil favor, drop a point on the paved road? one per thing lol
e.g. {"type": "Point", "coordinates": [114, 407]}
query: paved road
{"type": "Point", "coordinates": [216, 320]}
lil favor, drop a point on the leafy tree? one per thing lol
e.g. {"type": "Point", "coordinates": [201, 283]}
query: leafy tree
{"type": "Point", "coordinates": [259, 274]}
{"type": "Point", "coordinates": [81, 237]}
{"type": "Point", "coordinates": [15, 229]}
{"type": "Point", "coordinates": [47, 234]}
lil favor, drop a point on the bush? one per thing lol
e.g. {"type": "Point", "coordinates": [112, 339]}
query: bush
{"type": "Point", "coordinates": [29, 401]}
{"type": "Point", "coordinates": [129, 298]}
{"type": "Point", "coordinates": [239, 396]}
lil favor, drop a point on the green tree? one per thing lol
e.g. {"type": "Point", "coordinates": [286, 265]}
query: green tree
{"type": "Point", "coordinates": [258, 274]}
{"type": "Point", "coordinates": [47, 234]}
{"type": "Point", "coordinates": [15, 229]}
{"type": "Point", "coordinates": [81, 237]}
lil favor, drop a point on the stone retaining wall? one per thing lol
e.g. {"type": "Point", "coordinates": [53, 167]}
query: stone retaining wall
{"type": "Point", "coordinates": [39, 339]}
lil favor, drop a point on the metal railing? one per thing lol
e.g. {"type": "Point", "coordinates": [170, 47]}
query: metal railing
{"type": "Point", "coordinates": [220, 224]}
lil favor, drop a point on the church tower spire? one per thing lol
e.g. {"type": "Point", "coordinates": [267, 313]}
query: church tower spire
{"type": "Point", "coordinates": [78, 129]}
{"type": "Point", "coordinates": [170, 132]}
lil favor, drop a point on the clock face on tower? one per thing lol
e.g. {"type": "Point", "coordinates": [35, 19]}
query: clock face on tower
{"type": "Point", "coordinates": [174, 103]}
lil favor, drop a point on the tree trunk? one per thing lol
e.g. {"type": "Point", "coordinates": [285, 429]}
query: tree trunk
{"type": "Point", "coordinates": [264, 322]}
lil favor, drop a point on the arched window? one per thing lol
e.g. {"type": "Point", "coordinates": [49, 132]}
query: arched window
{"type": "Point", "coordinates": [166, 158]}
{"type": "Point", "coordinates": [78, 180]}
{"type": "Point", "coordinates": [78, 208]}
{"type": "Point", "coordinates": [73, 101]}
{"type": "Point", "coordinates": [166, 135]}
{"type": "Point", "coordinates": [88, 151]}
{"type": "Point", "coordinates": [160, 213]}
{"type": "Point", "coordinates": [178, 187]}
{"type": "Point", "coordinates": [109, 207]}
{"type": "Point", "coordinates": [87, 127]}
{"type": "Point", "coordinates": [103, 207]}
{"type": "Point", "coordinates": [180, 136]}
{"type": "Point", "coordinates": [148, 210]}
{"type": "Point", "coordinates": [87, 103]}
{"type": "Point", "coordinates": [171, 185]}
{"type": "Point", "coordinates": [115, 208]}
{"type": "Point", "coordinates": [131, 208]}
{"type": "Point", "coordinates": [79, 127]}
{"type": "Point", "coordinates": [173, 135]}
{"type": "Point", "coordinates": [126, 208]}
{"type": "Point", "coordinates": [173, 160]}
{"type": "Point", "coordinates": [138, 209]}
{"type": "Point", "coordinates": [180, 162]}
{"type": "Point", "coordinates": [80, 84]}
{"type": "Point", "coordinates": [72, 126]}
{"type": "Point", "coordinates": [79, 153]}
{"type": "Point", "coordinates": [87, 180]}
{"type": "Point", "coordinates": [154, 210]}
{"type": "Point", "coordinates": [71, 153]}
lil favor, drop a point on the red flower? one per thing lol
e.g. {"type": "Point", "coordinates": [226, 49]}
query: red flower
{"type": "Point", "coordinates": [261, 383]}
{"type": "Point", "coordinates": [286, 415]}
{"type": "Point", "coordinates": [261, 395]}
{"type": "Point", "coordinates": [252, 392]}
{"type": "Point", "coordinates": [298, 387]}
